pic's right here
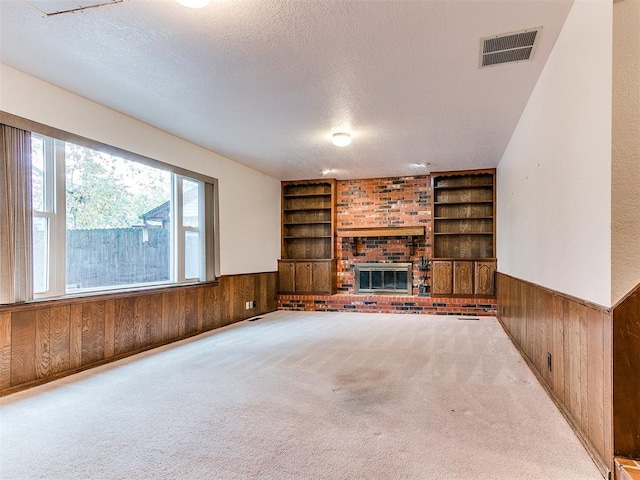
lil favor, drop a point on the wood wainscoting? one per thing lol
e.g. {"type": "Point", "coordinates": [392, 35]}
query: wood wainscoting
{"type": "Point", "coordinates": [568, 344]}
{"type": "Point", "coordinates": [42, 341]}
{"type": "Point", "coordinates": [626, 375]}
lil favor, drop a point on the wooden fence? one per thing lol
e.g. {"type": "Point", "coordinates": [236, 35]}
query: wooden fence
{"type": "Point", "coordinates": [117, 256]}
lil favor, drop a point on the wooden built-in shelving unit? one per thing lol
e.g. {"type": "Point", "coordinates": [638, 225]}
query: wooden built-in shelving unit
{"type": "Point", "coordinates": [463, 235]}
{"type": "Point", "coordinates": [308, 225]}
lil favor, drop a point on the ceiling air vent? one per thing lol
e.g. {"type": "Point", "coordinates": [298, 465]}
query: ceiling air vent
{"type": "Point", "coordinates": [509, 47]}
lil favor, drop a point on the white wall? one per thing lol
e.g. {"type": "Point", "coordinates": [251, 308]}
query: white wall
{"type": "Point", "coordinates": [625, 172]}
{"type": "Point", "coordinates": [249, 202]}
{"type": "Point", "coordinates": [554, 180]}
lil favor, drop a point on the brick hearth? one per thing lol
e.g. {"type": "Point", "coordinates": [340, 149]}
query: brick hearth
{"type": "Point", "coordinates": [388, 304]}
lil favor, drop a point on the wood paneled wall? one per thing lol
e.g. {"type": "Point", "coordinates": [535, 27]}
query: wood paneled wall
{"type": "Point", "coordinates": [626, 376]}
{"type": "Point", "coordinates": [42, 341]}
{"type": "Point", "coordinates": [578, 335]}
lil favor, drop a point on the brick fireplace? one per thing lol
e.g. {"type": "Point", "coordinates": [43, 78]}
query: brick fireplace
{"type": "Point", "coordinates": [392, 204]}
{"type": "Point", "coordinates": [382, 202]}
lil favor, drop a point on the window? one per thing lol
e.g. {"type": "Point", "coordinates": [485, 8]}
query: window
{"type": "Point", "coordinates": [42, 213]}
{"type": "Point", "coordinates": [190, 226]}
{"type": "Point", "coordinates": [101, 221]}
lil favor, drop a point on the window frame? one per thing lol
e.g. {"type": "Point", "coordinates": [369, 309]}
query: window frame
{"type": "Point", "coordinates": [53, 204]}
{"type": "Point", "coordinates": [56, 264]}
{"type": "Point", "coordinates": [178, 246]}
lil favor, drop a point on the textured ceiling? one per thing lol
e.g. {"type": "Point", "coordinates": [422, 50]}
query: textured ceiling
{"type": "Point", "coordinates": [266, 82]}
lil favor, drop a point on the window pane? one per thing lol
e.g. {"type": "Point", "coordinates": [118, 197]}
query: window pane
{"type": "Point", "coordinates": [389, 280]}
{"type": "Point", "coordinates": [192, 254]}
{"type": "Point", "coordinates": [117, 221]}
{"type": "Point", "coordinates": [190, 203]}
{"type": "Point", "coordinates": [40, 254]}
{"type": "Point", "coordinates": [365, 279]}
{"type": "Point", "coordinates": [37, 173]}
{"type": "Point", "coordinates": [376, 280]}
{"type": "Point", "coordinates": [401, 280]}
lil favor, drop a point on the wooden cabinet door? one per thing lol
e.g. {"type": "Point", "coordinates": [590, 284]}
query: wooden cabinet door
{"type": "Point", "coordinates": [485, 273]}
{"type": "Point", "coordinates": [322, 277]}
{"type": "Point", "coordinates": [304, 275]}
{"type": "Point", "coordinates": [441, 278]}
{"type": "Point", "coordinates": [463, 278]}
{"type": "Point", "coordinates": [286, 277]}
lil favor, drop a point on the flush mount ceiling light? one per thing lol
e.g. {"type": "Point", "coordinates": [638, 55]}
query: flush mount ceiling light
{"type": "Point", "coordinates": [341, 139]}
{"type": "Point", "coordinates": [193, 3]}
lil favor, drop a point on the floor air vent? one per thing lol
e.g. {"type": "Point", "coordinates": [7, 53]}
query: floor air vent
{"type": "Point", "coordinates": [509, 47]}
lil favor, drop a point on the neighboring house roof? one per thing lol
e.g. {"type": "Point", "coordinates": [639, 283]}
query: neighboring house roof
{"type": "Point", "coordinates": [159, 214]}
{"type": "Point", "coordinates": [162, 212]}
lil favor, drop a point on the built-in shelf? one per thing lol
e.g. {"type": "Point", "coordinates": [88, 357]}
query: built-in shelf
{"type": "Point", "coordinates": [463, 233]}
{"type": "Point", "coordinates": [307, 237]}
{"type": "Point", "coordinates": [463, 218]}
{"type": "Point", "coordinates": [468, 259]}
{"type": "Point", "coordinates": [305, 195]}
{"type": "Point", "coordinates": [306, 209]}
{"type": "Point", "coordinates": [464, 203]}
{"type": "Point", "coordinates": [463, 237]}
{"type": "Point", "coordinates": [462, 187]}
{"type": "Point", "coordinates": [308, 227]}
{"type": "Point", "coordinates": [308, 223]}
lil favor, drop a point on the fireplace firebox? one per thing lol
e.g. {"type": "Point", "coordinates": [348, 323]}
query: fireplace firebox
{"type": "Point", "coordinates": [383, 278]}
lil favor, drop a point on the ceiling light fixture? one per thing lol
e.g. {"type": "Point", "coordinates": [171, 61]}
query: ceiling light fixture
{"type": "Point", "coordinates": [341, 139]}
{"type": "Point", "coordinates": [193, 3]}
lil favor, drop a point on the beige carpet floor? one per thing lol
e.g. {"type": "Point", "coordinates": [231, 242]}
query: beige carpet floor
{"type": "Point", "coordinates": [301, 396]}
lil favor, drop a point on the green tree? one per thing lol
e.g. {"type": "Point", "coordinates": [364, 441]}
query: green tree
{"type": "Point", "coordinates": [37, 173]}
{"type": "Point", "coordinates": [104, 191]}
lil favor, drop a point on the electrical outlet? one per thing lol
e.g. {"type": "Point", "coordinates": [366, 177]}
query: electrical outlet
{"type": "Point", "coordinates": [254, 304]}
{"type": "Point", "coordinates": [250, 304]}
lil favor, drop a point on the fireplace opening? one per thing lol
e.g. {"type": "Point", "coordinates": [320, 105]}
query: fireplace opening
{"type": "Point", "coordinates": [383, 278]}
